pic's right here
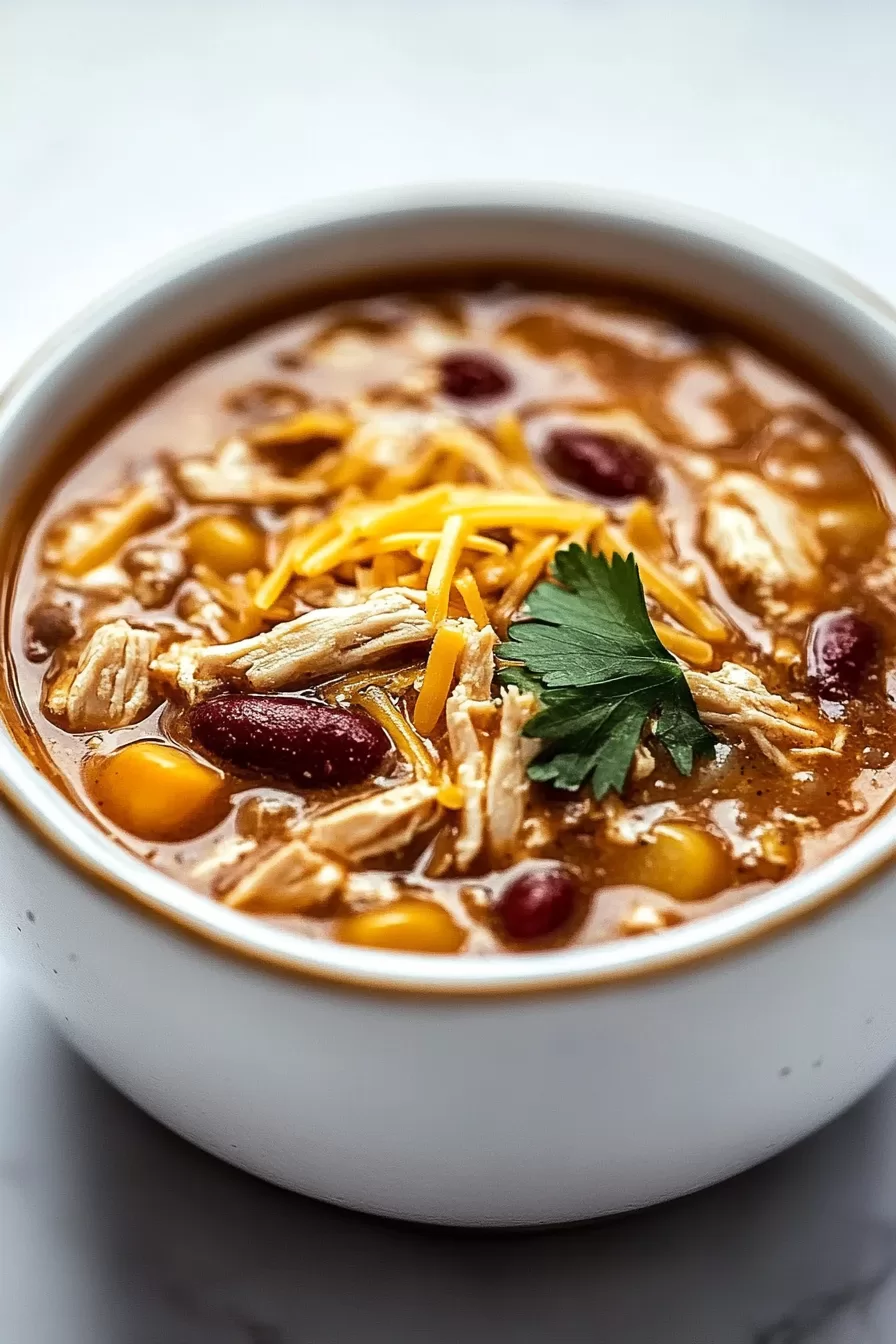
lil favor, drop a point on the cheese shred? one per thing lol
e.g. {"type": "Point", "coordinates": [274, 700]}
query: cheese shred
{"type": "Point", "coordinates": [443, 656]}
{"type": "Point", "coordinates": [441, 576]}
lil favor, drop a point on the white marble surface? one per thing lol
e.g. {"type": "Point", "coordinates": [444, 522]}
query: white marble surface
{"type": "Point", "coordinates": [128, 127]}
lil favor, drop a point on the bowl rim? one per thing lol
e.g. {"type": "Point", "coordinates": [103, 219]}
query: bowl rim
{"type": "Point", "coordinates": [80, 845]}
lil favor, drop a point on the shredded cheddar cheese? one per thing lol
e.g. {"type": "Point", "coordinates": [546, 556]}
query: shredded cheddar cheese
{"type": "Point", "coordinates": [697, 652]}
{"type": "Point", "coordinates": [441, 576]}
{"type": "Point", "coordinates": [443, 656]}
{"type": "Point", "coordinates": [690, 611]}
{"type": "Point", "coordinates": [94, 544]}
{"type": "Point", "coordinates": [531, 562]}
{"type": "Point", "coordinates": [642, 527]}
{"type": "Point", "coordinates": [407, 740]}
{"type": "Point", "coordinates": [385, 570]}
{"type": "Point", "coordinates": [425, 508]}
{"type": "Point", "coordinates": [512, 440]}
{"type": "Point", "coordinates": [466, 585]}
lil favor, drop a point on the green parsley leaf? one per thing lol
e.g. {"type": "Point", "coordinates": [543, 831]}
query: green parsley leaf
{"type": "Point", "coordinates": [596, 663]}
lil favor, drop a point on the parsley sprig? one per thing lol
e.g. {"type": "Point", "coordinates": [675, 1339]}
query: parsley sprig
{"type": "Point", "coordinates": [594, 660]}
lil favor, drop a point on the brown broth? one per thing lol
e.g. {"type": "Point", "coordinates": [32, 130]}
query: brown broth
{"type": "Point", "coordinates": [705, 402]}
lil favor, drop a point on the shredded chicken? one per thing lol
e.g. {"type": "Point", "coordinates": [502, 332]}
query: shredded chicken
{"type": "Point", "coordinates": [476, 671]}
{"type": "Point", "coordinates": [382, 824]}
{"type": "Point", "coordinates": [235, 475]}
{"type": "Point", "coordinates": [324, 641]}
{"type": "Point", "coordinates": [736, 698]}
{"type": "Point", "coordinates": [507, 791]}
{"type": "Point", "coordinates": [760, 537]}
{"type": "Point", "coordinates": [110, 686]}
{"type": "Point", "coordinates": [223, 608]}
{"type": "Point", "coordinates": [292, 879]}
{"type": "Point", "coordinates": [93, 536]}
{"type": "Point", "coordinates": [470, 772]}
{"type": "Point", "coordinates": [469, 707]}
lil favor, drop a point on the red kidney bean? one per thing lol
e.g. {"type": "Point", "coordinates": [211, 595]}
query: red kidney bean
{"type": "Point", "coordinates": [313, 745]}
{"type": "Point", "coordinates": [537, 904]}
{"type": "Point", "coordinates": [840, 652]}
{"type": "Point", "coordinates": [600, 463]}
{"type": "Point", "coordinates": [469, 376]}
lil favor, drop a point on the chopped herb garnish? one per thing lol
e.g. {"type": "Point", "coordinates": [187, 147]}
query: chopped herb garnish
{"type": "Point", "coordinates": [594, 660]}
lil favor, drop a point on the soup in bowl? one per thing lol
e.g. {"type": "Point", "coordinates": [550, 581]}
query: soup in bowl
{"type": "Point", "coordinates": [448, 717]}
{"type": "Point", "coordinates": [470, 619]}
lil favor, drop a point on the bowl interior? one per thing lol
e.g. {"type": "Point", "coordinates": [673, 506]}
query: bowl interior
{"type": "Point", "coordinates": [709, 263]}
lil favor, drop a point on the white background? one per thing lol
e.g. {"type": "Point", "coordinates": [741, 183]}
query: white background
{"type": "Point", "coordinates": [127, 128]}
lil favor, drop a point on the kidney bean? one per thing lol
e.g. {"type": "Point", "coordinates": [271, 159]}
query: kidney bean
{"type": "Point", "coordinates": [470, 376]}
{"type": "Point", "coordinates": [840, 652]}
{"type": "Point", "coordinates": [600, 463]}
{"type": "Point", "coordinates": [537, 903]}
{"type": "Point", "coordinates": [313, 745]}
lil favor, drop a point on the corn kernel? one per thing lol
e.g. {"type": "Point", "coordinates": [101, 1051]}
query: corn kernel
{"type": "Point", "coordinates": [682, 860]}
{"type": "Point", "coordinates": [156, 792]}
{"type": "Point", "coordinates": [406, 925]}
{"type": "Point", "coordinates": [226, 544]}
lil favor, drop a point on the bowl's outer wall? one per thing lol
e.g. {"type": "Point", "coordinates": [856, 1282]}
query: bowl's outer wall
{"type": "Point", "coordinates": [488, 1110]}
{"type": "Point", "coordinates": [494, 1111]}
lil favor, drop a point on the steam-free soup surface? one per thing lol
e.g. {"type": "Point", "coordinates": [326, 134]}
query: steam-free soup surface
{"type": "Point", "coordinates": [267, 631]}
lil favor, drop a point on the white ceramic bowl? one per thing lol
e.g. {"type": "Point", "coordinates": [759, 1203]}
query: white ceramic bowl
{"type": "Point", "coordinates": [511, 1090]}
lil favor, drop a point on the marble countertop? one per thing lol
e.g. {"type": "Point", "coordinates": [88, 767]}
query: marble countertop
{"type": "Point", "coordinates": [127, 128]}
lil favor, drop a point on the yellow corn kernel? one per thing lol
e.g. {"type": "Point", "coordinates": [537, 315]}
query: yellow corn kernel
{"type": "Point", "coordinates": [450, 796]}
{"type": "Point", "coordinates": [472, 599]}
{"type": "Point", "coordinates": [156, 792]}
{"type": "Point", "coordinates": [443, 656]}
{"type": "Point", "coordinates": [225, 544]}
{"type": "Point", "coordinates": [697, 652]}
{"type": "Point", "coordinates": [304, 425]}
{"type": "Point", "coordinates": [406, 925]}
{"type": "Point", "coordinates": [682, 860]}
{"type": "Point", "coordinates": [408, 741]}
